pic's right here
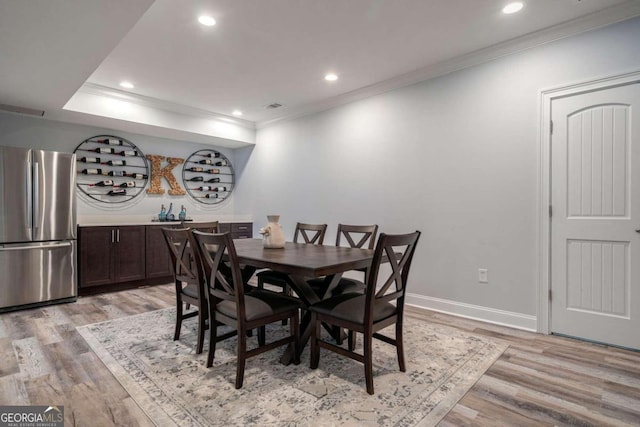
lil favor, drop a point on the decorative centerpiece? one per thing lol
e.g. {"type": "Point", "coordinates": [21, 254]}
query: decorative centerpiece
{"type": "Point", "coordinates": [273, 236]}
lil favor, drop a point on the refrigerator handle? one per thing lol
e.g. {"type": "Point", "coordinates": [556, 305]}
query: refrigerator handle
{"type": "Point", "coordinates": [30, 248]}
{"type": "Point", "coordinates": [36, 196]}
{"type": "Point", "coordinates": [29, 198]}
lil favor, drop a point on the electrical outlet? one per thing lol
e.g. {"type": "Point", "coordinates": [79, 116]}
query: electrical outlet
{"type": "Point", "coordinates": [483, 275]}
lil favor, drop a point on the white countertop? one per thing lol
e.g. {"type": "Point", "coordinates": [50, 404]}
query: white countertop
{"type": "Point", "coordinates": [110, 220]}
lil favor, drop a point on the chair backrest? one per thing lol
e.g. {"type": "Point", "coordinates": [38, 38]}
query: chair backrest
{"type": "Point", "coordinates": [311, 233]}
{"type": "Point", "coordinates": [395, 251]}
{"type": "Point", "coordinates": [216, 256]}
{"type": "Point", "coordinates": [184, 269]}
{"type": "Point", "coordinates": [207, 227]}
{"type": "Point", "coordinates": [365, 235]}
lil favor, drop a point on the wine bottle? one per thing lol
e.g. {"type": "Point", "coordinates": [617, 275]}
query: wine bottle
{"type": "Point", "coordinates": [219, 189]}
{"type": "Point", "coordinates": [215, 154]}
{"type": "Point", "coordinates": [117, 192]}
{"type": "Point", "coordinates": [132, 153]}
{"type": "Point", "coordinates": [211, 196]}
{"type": "Point", "coordinates": [117, 162]}
{"type": "Point", "coordinates": [136, 175]}
{"type": "Point", "coordinates": [90, 160]}
{"type": "Point", "coordinates": [117, 173]}
{"type": "Point", "coordinates": [213, 180]}
{"type": "Point", "coordinates": [104, 150]}
{"type": "Point", "coordinates": [205, 188]}
{"type": "Point", "coordinates": [206, 162]}
{"type": "Point", "coordinates": [221, 163]}
{"type": "Point", "coordinates": [92, 171]}
{"type": "Point", "coordinates": [195, 169]}
{"type": "Point", "coordinates": [196, 179]}
{"type": "Point", "coordinates": [110, 141]}
{"type": "Point", "coordinates": [128, 184]}
{"type": "Point", "coordinates": [213, 171]}
{"type": "Point", "coordinates": [105, 183]}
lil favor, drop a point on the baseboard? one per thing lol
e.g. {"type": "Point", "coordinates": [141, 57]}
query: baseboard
{"type": "Point", "coordinates": [486, 314]}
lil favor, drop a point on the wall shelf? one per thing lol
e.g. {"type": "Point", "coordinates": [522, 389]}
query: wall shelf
{"type": "Point", "coordinates": [208, 177]}
{"type": "Point", "coordinates": [111, 169]}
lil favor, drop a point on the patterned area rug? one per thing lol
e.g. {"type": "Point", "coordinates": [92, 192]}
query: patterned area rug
{"type": "Point", "coordinates": [173, 386]}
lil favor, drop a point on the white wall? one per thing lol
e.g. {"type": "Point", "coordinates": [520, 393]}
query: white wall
{"type": "Point", "coordinates": [24, 131]}
{"type": "Point", "coordinates": [456, 157]}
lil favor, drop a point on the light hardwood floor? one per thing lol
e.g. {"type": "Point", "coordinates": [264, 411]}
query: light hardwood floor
{"type": "Point", "coordinates": [539, 380]}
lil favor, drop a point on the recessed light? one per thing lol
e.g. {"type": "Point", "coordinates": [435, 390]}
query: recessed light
{"type": "Point", "coordinates": [513, 7]}
{"type": "Point", "coordinates": [331, 77]}
{"type": "Point", "coordinates": [237, 113]}
{"type": "Point", "coordinates": [207, 20]}
{"type": "Point", "coordinates": [127, 85]}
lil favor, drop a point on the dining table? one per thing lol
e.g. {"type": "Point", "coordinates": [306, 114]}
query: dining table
{"type": "Point", "coordinates": [302, 261]}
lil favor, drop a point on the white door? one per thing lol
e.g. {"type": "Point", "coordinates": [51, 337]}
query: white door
{"type": "Point", "coordinates": [595, 224]}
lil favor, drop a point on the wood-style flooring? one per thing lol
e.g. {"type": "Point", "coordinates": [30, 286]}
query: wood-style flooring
{"type": "Point", "coordinates": [540, 380]}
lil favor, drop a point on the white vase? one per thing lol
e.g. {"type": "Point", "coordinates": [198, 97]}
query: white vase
{"type": "Point", "coordinates": [272, 234]}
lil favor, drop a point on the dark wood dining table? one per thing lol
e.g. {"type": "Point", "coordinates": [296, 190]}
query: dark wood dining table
{"type": "Point", "coordinates": [302, 262]}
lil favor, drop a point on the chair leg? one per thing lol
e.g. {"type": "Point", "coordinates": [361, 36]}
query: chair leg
{"type": "Point", "coordinates": [315, 336]}
{"type": "Point", "coordinates": [242, 357]}
{"type": "Point", "coordinates": [353, 338]}
{"type": "Point", "coordinates": [400, 346]}
{"type": "Point", "coordinates": [261, 335]}
{"type": "Point", "coordinates": [368, 361]}
{"type": "Point", "coordinates": [176, 334]}
{"type": "Point", "coordinates": [295, 331]}
{"type": "Point", "coordinates": [201, 328]}
{"type": "Point", "coordinates": [213, 333]}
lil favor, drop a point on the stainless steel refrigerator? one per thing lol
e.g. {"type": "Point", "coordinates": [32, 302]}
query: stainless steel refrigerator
{"type": "Point", "coordinates": [37, 228]}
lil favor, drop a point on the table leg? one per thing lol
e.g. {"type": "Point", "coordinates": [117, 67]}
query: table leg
{"type": "Point", "coordinates": [309, 297]}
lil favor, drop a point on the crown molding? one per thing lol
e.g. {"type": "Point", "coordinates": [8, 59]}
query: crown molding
{"type": "Point", "coordinates": [172, 107]}
{"type": "Point", "coordinates": [609, 16]}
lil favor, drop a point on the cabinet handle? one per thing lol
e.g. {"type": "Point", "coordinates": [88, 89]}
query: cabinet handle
{"type": "Point", "coordinates": [113, 239]}
{"type": "Point", "coordinates": [118, 234]}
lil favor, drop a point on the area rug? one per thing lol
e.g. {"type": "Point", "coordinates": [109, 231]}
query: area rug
{"type": "Point", "coordinates": [173, 386]}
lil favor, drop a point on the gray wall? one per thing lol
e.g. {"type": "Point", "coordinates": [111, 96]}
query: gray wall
{"type": "Point", "coordinates": [23, 131]}
{"type": "Point", "coordinates": [456, 157]}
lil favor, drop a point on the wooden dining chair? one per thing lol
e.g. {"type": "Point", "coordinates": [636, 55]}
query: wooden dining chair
{"type": "Point", "coordinates": [379, 307]}
{"type": "Point", "coordinates": [356, 236]}
{"type": "Point", "coordinates": [207, 227]}
{"type": "Point", "coordinates": [307, 233]}
{"type": "Point", "coordinates": [230, 305]}
{"type": "Point", "coordinates": [189, 282]}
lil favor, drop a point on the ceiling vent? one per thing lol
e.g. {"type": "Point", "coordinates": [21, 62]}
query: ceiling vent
{"type": "Point", "coordinates": [273, 106]}
{"type": "Point", "coordinates": [21, 110]}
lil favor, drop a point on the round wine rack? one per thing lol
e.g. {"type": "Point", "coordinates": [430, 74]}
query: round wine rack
{"type": "Point", "coordinates": [208, 176]}
{"type": "Point", "coordinates": [111, 169]}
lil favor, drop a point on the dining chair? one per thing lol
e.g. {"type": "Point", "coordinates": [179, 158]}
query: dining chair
{"type": "Point", "coordinates": [357, 236]}
{"type": "Point", "coordinates": [230, 305]}
{"type": "Point", "coordinates": [306, 233]}
{"type": "Point", "coordinates": [207, 227]}
{"type": "Point", "coordinates": [189, 282]}
{"type": "Point", "coordinates": [368, 313]}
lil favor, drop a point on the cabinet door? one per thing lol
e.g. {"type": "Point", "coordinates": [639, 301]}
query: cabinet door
{"type": "Point", "coordinates": [96, 256]}
{"type": "Point", "coordinates": [130, 262]}
{"type": "Point", "coordinates": [158, 259]}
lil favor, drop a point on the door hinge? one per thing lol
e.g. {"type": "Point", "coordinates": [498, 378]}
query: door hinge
{"type": "Point", "coordinates": [551, 127]}
{"type": "Point", "coordinates": [549, 295]}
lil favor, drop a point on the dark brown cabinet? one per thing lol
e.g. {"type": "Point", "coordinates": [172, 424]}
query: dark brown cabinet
{"type": "Point", "coordinates": [238, 230]}
{"type": "Point", "coordinates": [111, 255]}
{"type": "Point", "coordinates": [132, 255]}
{"type": "Point", "coordinates": [158, 258]}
